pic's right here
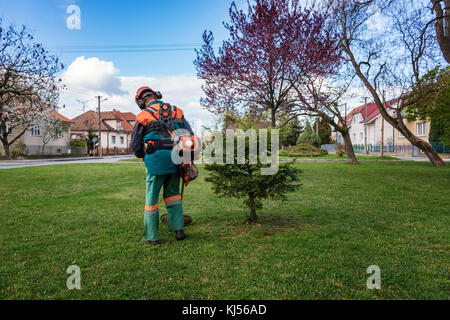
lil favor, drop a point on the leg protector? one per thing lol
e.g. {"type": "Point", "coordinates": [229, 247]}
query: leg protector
{"type": "Point", "coordinates": [151, 213]}
{"type": "Point", "coordinates": [172, 198]}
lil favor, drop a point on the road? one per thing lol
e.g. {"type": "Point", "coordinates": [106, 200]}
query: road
{"type": "Point", "coordinates": [45, 162]}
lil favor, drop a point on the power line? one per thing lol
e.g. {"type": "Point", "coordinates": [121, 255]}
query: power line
{"type": "Point", "coordinates": [166, 45]}
{"type": "Point", "coordinates": [128, 48]}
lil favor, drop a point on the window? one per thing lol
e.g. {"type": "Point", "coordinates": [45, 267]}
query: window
{"type": "Point", "coordinates": [421, 128]}
{"type": "Point", "coordinates": [361, 136]}
{"type": "Point", "coordinates": [35, 130]}
{"type": "Point", "coordinates": [113, 139]}
{"type": "Point", "coordinates": [122, 141]}
{"type": "Point", "coordinates": [8, 129]}
{"type": "Point", "coordinates": [58, 133]}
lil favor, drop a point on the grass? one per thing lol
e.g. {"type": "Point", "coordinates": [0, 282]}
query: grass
{"type": "Point", "coordinates": [132, 160]}
{"type": "Point", "coordinates": [332, 156]}
{"type": "Point", "coordinates": [317, 245]}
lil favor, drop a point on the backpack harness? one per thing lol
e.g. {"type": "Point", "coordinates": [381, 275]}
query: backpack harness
{"type": "Point", "coordinates": [164, 123]}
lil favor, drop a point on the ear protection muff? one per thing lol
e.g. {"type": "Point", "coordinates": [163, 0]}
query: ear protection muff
{"type": "Point", "coordinates": [140, 103]}
{"type": "Point", "coordinates": [158, 95]}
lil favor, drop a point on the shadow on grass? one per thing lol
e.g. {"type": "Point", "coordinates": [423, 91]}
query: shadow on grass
{"type": "Point", "coordinates": [235, 227]}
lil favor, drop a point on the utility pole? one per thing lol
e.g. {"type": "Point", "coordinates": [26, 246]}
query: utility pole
{"type": "Point", "coordinates": [100, 153]}
{"type": "Point", "coordinates": [365, 126]}
{"type": "Point", "coordinates": [382, 127]}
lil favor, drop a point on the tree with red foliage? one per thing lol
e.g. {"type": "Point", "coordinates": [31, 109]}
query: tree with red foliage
{"type": "Point", "coordinates": [269, 49]}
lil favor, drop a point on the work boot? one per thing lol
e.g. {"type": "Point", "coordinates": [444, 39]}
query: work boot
{"type": "Point", "coordinates": [180, 235]}
{"type": "Point", "coordinates": [151, 242]}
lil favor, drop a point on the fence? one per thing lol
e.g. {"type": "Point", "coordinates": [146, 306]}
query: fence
{"type": "Point", "coordinates": [400, 148]}
{"type": "Point", "coordinates": [440, 147]}
{"type": "Point", "coordinates": [54, 150]}
{"type": "Point", "coordinates": [329, 147]}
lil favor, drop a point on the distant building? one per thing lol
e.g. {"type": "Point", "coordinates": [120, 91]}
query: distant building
{"type": "Point", "coordinates": [33, 139]}
{"type": "Point", "coordinates": [116, 128]}
{"type": "Point", "coordinates": [371, 117]}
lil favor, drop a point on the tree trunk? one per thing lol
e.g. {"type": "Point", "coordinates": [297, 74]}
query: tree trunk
{"type": "Point", "coordinates": [7, 151]}
{"type": "Point", "coordinates": [442, 26]}
{"type": "Point", "coordinates": [351, 158]}
{"type": "Point", "coordinates": [273, 119]}
{"type": "Point", "coordinates": [253, 217]}
{"type": "Point", "coordinates": [427, 149]}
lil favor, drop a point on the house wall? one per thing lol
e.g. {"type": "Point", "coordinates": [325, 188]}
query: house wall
{"type": "Point", "coordinates": [357, 130]}
{"type": "Point", "coordinates": [412, 126]}
{"type": "Point", "coordinates": [114, 124]}
{"type": "Point", "coordinates": [107, 140]}
{"type": "Point", "coordinates": [59, 146]}
{"type": "Point", "coordinates": [108, 146]}
{"type": "Point", "coordinates": [34, 143]}
{"type": "Point", "coordinates": [15, 132]}
{"type": "Point", "coordinates": [373, 130]}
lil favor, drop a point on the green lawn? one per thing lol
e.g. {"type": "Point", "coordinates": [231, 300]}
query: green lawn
{"type": "Point", "coordinates": [336, 157]}
{"type": "Point", "coordinates": [317, 245]}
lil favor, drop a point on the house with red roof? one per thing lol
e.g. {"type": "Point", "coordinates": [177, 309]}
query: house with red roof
{"type": "Point", "coordinates": [367, 121]}
{"type": "Point", "coordinates": [116, 128]}
{"type": "Point", "coordinates": [36, 141]}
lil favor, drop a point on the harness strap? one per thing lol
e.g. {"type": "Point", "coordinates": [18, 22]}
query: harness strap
{"type": "Point", "coordinates": [153, 145]}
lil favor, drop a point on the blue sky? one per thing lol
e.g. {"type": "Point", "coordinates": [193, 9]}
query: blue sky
{"type": "Point", "coordinates": [123, 23]}
{"type": "Point", "coordinates": [97, 58]}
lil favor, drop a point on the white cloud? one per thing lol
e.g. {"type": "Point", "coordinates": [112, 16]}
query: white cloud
{"type": "Point", "coordinates": [87, 78]}
{"type": "Point", "coordinates": [92, 74]}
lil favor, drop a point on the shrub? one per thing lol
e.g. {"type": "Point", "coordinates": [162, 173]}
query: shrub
{"type": "Point", "coordinates": [340, 153]}
{"type": "Point", "coordinates": [77, 143]}
{"type": "Point", "coordinates": [303, 150]}
{"type": "Point", "coordinates": [19, 149]}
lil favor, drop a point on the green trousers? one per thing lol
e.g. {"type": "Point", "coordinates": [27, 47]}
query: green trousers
{"type": "Point", "coordinates": [172, 199]}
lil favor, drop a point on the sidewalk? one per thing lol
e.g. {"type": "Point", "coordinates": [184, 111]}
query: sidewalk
{"type": "Point", "coordinates": [8, 164]}
{"type": "Point", "coordinates": [409, 158]}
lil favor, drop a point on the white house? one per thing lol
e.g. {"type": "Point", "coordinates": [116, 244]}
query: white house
{"type": "Point", "coordinates": [116, 129]}
{"type": "Point", "coordinates": [369, 116]}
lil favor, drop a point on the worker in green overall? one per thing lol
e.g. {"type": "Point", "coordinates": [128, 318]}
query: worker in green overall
{"type": "Point", "coordinates": [152, 140]}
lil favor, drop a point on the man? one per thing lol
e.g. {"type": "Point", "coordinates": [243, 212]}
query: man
{"type": "Point", "coordinates": [152, 140]}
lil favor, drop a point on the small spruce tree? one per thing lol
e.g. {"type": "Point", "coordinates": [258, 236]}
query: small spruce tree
{"type": "Point", "coordinates": [245, 182]}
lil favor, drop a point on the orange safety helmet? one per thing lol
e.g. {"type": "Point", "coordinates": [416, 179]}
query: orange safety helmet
{"type": "Point", "coordinates": [140, 95]}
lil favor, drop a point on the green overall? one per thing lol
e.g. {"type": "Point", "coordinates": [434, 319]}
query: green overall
{"type": "Point", "coordinates": [161, 173]}
{"type": "Point", "coordinates": [172, 199]}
